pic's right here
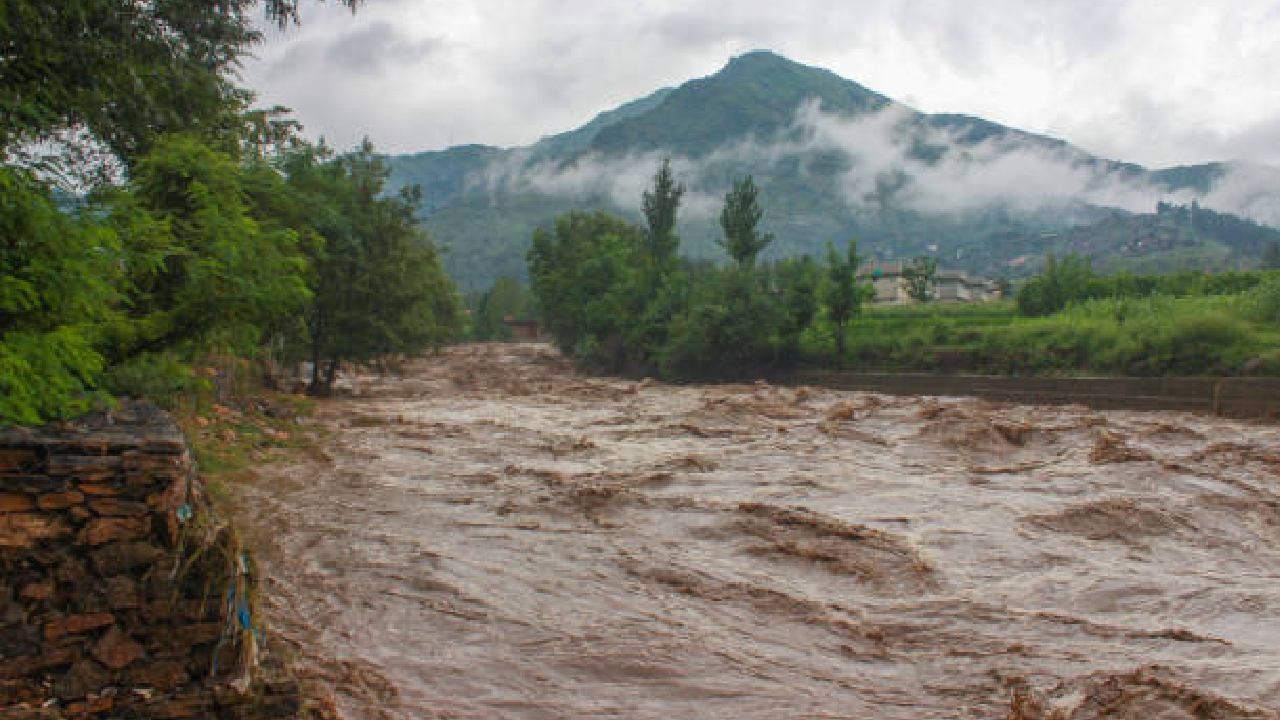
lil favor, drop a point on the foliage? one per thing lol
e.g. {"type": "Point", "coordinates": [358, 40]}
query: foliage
{"type": "Point", "coordinates": [124, 73]}
{"type": "Point", "coordinates": [919, 277]}
{"type": "Point", "coordinates": [739, 220]}
{"type": "Point", "coordinates": [508, 298]}
{"type": "Point", "coordinates": [727, 331]}
{"type": "Point", "coordinates": [376, 283]}
{"type": "Point", "coordinates": [59, 282]}
{"type": "Point", "coordinates": [584, 274]}
{"type": "Point", "coordinates": [203, 272]}
{"type": "Point", "coordinates": [1061, 282]}
{"type": "Point", "coordinates": [842, 296]}
{"type": "Point", "coordinates": [660, 206]}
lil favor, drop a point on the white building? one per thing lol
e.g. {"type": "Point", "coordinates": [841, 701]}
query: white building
{"type": "Point", "coordinates": [949, 285]}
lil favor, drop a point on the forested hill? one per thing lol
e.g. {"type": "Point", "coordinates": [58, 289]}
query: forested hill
{"type": "Point", "coordinates": [834, 159]}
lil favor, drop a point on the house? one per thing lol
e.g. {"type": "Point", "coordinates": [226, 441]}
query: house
{"type": "Point", "coordinates": [890, 285]}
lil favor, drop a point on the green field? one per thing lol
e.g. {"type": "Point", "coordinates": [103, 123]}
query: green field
{"type": "Point", "coordinates": [1232, 334]}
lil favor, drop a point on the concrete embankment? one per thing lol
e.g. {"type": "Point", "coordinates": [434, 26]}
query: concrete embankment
{"type": "Point", "coordinates": [1238, 397]}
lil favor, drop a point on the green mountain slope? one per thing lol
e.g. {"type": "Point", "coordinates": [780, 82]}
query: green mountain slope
{"type": "Point", "coordinates": [834, 159]}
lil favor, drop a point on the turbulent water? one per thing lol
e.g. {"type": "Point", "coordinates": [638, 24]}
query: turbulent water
{"type": "Point", "coordinates": [491, 536]}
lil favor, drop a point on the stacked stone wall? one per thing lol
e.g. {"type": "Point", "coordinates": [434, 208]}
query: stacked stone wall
{"type": "Point", "coordinates": [121, 592]}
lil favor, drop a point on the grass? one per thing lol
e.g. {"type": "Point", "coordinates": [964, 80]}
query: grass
{"type": "Point", "coordinates": [1157, 335]}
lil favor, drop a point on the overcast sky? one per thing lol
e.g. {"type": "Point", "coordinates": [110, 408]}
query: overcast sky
{"type": "Point", "coordinates": [1159, 82]}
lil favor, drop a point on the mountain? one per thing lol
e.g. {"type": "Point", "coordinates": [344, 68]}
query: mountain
{"type": "Point", "coordinates": [834, 160]}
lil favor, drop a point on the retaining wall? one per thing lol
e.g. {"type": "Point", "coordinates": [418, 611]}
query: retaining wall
{"type": "Point", "coordinates": [121, 593]}
{"type": "Point", "coordinates": [1231, 397]}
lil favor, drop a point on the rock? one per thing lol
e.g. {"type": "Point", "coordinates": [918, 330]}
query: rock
{"type": "Point", "coordinates": [118, 508]}
{"type": "Point", "coordinates": [23, 530]}
{"type": "Point", "coordinates": [158, 674]}
{"type": "Point", "coordinates": [101, 531]}
{"type": "Point", "coordinates": [116, 649]}
{"type": "Point", "coordinates": [92, 704]}
{"type": "Point", "coordinates": [84, 677]}
{"type": "Point", "coordinates": [122, 592]}
{"type": "Point", "coordinates": [60, 500]}
{"type": "Point", "coordinates": [15, 502]}
{"type": "Point", "coordinates": [15, 460]}
{"type": "Point", "coordinates": [99, 488]}
{"type": "Point", "coordinates": [119, 558]}
{"type": "Point", "coordinates": [75, 624]}
{"type": "Point", "coordinates": [38, 590]}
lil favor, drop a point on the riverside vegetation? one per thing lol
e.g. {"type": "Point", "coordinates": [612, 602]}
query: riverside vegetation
{"type": "Point", "coordinates": [150, 216]}
{"type": "Point", "coordinates": [617, 298]}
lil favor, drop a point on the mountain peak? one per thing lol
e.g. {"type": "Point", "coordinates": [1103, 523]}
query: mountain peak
{"type": "Point", "coordinates": [756, 93]}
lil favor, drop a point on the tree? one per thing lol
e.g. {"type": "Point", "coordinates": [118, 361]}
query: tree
{"type": "Point", "coordinates": [729, 331]}
{"type": "Point", "coordinates": [841, 294]}
{"type": "Point", "coordinates": [798, 281]}
{"type": "Point", "coordinates": [507, 298]}
{"type": "Point", "coordinates": [122, 73]}
{"type": "Point", "coordinates": [60, 281]}
{"type": "Point", "coordinates": [660, 206]}
{"type": "Point", "coordinates": [1059, 283]}
{"type": "Point", "coordinates": [377, 284]}
{"type": "Point", "coordinates": [919, 277]}
{"type": "Point", "coordinates": [202, 271]}
{"type": "Point", "coordinates": [739, 218]}
{"type": "Point", "coordinates": [585, 275]}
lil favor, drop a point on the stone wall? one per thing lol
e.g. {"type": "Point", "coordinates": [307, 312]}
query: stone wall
{"type": "Point", "coordinates": [121, 592]}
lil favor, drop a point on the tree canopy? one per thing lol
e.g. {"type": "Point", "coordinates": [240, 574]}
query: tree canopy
{"type": "Point", "coordinates": [739, 220]}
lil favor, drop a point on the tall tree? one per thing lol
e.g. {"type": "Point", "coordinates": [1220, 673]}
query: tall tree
{"type": "Point", "coordinates": [660, 205]}
{"type": "Point", "coordinates": [841, 294]}
{"type": "Point", "coordinates": [377, 284]}
{"type": "Point", "coordinates": [739, 220]}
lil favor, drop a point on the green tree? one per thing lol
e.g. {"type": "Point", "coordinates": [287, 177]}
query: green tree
{"type": "Point", "coordinates": [60, 282]}
{"type": "Point", "coordinates": [584, 274]}
{"type": "Point", "coordinates": [739, 220]}
{"type": "Point", "coordinates": [1059, 283]}
{"type": "Point", "coordinates": [798, 281]}
{"type": "Point", "coordinates": [729, 331]}
{"type": "Point", "coordinates": [842, 296]}
{"type": "Point", "coordinates": [919, 277]}
{"type": "Point", "coordinates": [660, 205]}
{"type": "Point", "coordinates": [202, 272]}
{"type": "Point", "coordinates": [377, 284]}
{"type": "Point", "coordinates": [124, 73]}
{"type": "Point", "coordinates": [507, 298]}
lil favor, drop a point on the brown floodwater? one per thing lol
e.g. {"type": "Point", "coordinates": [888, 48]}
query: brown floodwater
{"type": "Point", "coordinates": [492, 536]}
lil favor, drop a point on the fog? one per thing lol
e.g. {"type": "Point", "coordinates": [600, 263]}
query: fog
{"type": "Point", "coordinates": [878, 167]}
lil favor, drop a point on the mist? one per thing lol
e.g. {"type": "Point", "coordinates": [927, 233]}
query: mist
{"type": "Point", "coordinates": [880, 165]}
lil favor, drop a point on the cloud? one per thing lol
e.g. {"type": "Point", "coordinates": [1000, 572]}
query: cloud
{"type": "Point", "coordinates": [880, 166]}
{"type": "Point", "coordinates": [371, 48]}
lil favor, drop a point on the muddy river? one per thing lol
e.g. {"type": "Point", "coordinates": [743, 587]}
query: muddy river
{"type": "Point", "coordinates": [491, 536]}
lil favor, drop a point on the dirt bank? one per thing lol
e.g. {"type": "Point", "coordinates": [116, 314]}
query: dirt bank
{"type": "Point", "coordinates": [493, 536]}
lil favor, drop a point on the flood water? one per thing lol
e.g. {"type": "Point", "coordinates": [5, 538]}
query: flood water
{"type": "Point", "coordinates": [491, 536]}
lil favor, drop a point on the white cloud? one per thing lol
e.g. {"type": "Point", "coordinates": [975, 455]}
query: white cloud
{"type": "Point", "coordinates": [1008, 172]}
